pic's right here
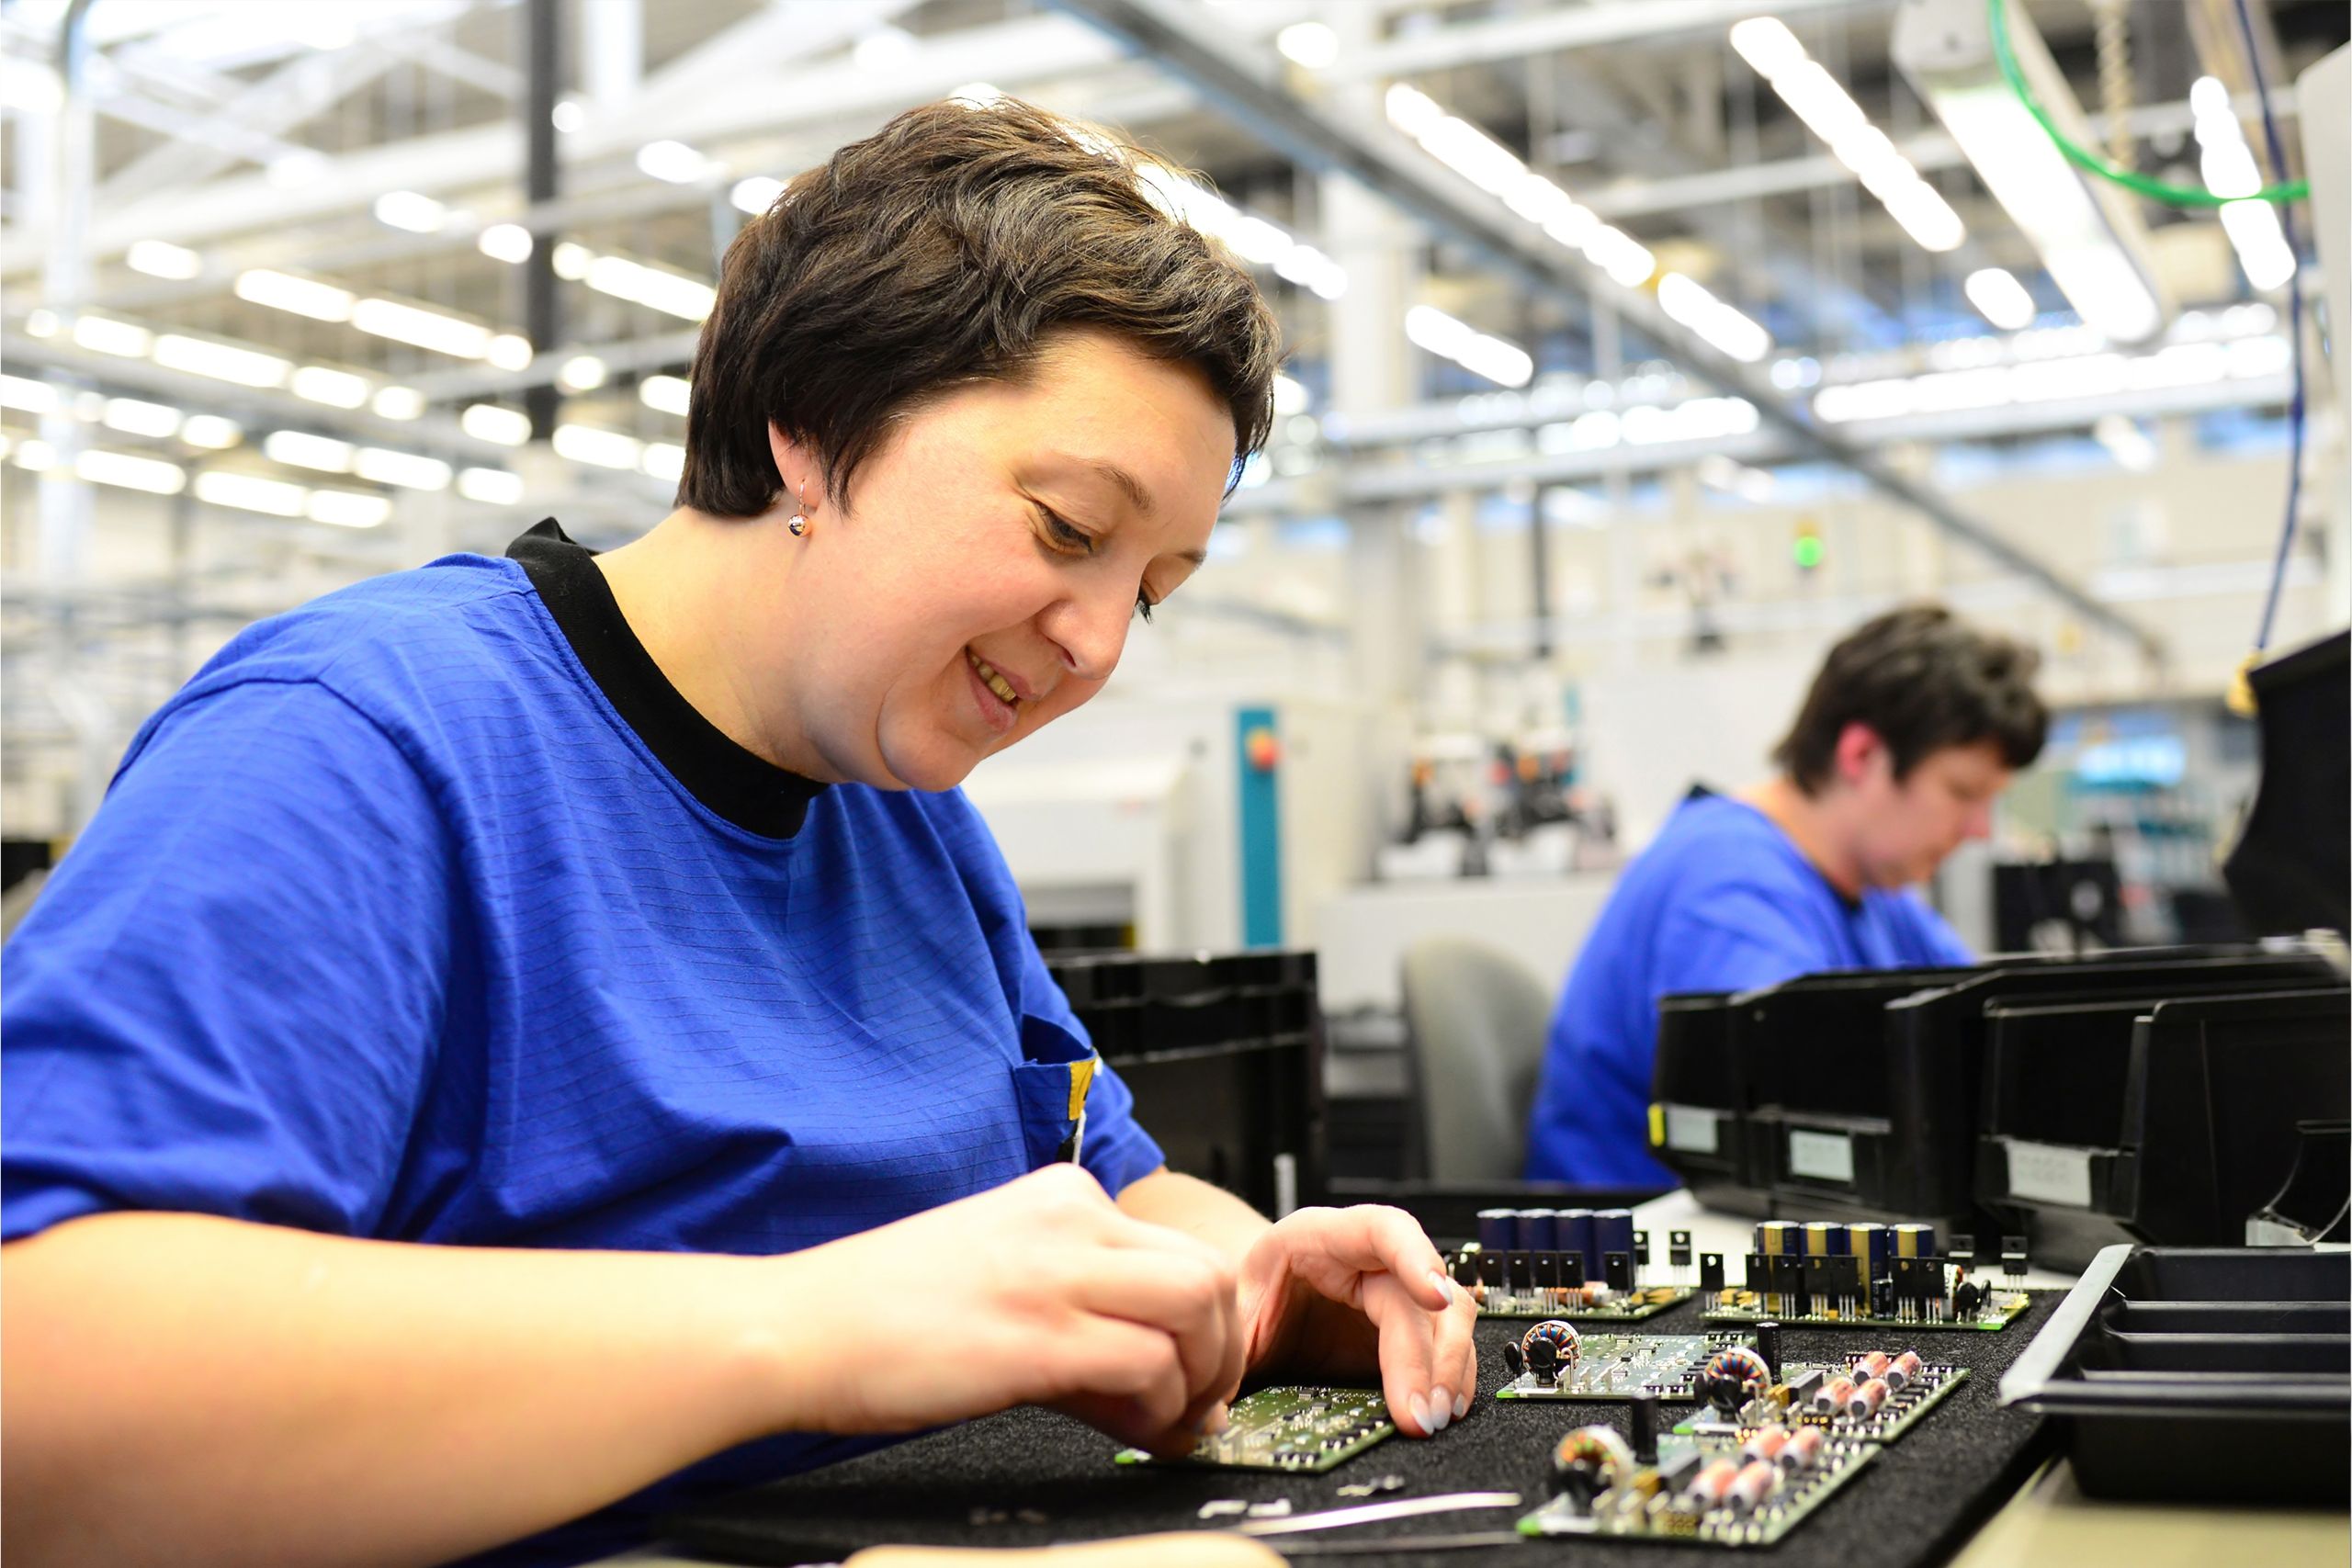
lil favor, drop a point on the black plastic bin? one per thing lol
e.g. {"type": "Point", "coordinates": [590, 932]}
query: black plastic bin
{"type": "Point", "coordinates": [2218, 1375]}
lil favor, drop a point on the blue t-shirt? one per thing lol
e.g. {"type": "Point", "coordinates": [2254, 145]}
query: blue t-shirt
{"type": "Point", "coordinates": [393, 925]}
{"type": "Point", "coordinates": [1721, 901]}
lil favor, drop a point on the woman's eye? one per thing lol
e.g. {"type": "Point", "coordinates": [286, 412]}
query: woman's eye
{"type": "Point", "coordinates": [1077, 541]}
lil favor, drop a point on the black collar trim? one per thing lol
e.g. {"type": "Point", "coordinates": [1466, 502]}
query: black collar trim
{"type": "Point", "coordinates": [746, 789]}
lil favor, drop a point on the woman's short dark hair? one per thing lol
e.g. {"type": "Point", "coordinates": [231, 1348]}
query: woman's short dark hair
{"type": "Point", "coordinates": [946, 249]}
{"type": "Point", "coordinates": [1922, 680]}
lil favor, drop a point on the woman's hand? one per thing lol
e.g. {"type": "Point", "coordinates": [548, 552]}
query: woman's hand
{"type": "Point", "coordinates": [1036, 1292]}
{"type": "Point", "coordinates": [1351, 1292]}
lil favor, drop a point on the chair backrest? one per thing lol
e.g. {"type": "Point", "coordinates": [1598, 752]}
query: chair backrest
{"type": "Point", "coordinates": [1476, 1022]}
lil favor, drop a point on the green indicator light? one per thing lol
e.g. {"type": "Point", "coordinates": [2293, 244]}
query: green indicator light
{"type": "Point", "coordinates": [1808, 551]}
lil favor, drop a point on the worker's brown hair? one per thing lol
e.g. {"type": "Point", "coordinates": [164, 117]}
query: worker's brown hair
{"type": "Point", "coordinates": [1921, 679]}
{"type": "Point", "coordinates": [947, 248]}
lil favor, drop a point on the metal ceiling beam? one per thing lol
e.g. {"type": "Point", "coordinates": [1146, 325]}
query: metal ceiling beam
{"type": "Point", "coordinates": [1183, 39]}
{"type": "Point", "coordinates": [1012, 54]}
{"type": "Point", "coordinates": [1928, 150]}
{"type": "Point", "coordinates": [1587, 27]}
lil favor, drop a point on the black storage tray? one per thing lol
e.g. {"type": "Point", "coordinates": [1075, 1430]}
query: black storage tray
{"type": "Point", "coordinates": [2220, 1375]}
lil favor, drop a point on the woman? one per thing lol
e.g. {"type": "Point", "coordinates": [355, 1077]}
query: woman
{"type": "Point", "coordinates": [523, 1030]}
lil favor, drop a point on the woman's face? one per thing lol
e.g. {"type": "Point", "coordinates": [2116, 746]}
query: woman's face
{"type": "Point", "coordinates": [999, 543]}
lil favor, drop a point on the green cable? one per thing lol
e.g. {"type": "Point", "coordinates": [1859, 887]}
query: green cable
{"type": "Point", "coordinates": [2082, 157]}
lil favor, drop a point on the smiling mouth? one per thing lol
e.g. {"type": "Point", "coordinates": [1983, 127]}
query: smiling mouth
{"type": "Point", "coordinates": [995, 683]}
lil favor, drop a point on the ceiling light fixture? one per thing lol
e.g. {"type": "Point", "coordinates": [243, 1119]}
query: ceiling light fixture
{"type": "Point", "coordinates": [302, 295]}
{"type": "Point", "coordinates": [1482, 354]}
{"type": "Point", "coordinates": [1830, 111]}
{"type": "Point", "coordinates": [222, 361]}
{"type": "Point", "coordinates": [1721, 325]}
{"type": "Point", "coordinates": [2000, 297]}
{"type": "Point", "coordinates": [159, 258]}
{"type": "Point", "coordinates": [2092, 240]}
{"type": "Point", "coordinates": [1496, 170]}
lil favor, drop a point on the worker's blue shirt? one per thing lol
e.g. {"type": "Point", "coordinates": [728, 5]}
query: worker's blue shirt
{"type": "Point", "coordinates": [1721, 901]}
{"type": "Point", "coordinates": [431, 912]}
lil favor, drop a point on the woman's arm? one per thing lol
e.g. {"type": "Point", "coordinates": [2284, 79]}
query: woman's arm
{"type": "Point", "coordinates": [188, 1390]}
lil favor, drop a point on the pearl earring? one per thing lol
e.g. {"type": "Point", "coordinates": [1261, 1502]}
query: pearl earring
{"type": "Point", "coordinates": [798, 522]}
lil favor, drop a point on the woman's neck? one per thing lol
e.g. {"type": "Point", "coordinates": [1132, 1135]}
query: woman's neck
{"type": "Point", "coordinates": [1810, 825]}
{"type": "Point", "coordinates": [693, 589]}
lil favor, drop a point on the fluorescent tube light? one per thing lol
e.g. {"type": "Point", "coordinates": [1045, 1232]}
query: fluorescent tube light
{"type": "Point", "coordinates": [2091, 241]}
{"type": "Point", "coordinates": [488, 422]}
{"type": "Point", "coordinates": [1311, 44]}
{"type": "Point", "coordinates": [493, 487]}
{"type": "Point", "coordinates": [251, 492]}
{"type": "Point", "coordinates": [663, 459]}
{"type": "Point", "coordinates": [38, 397]}
{"type": "Point", "coordinates": [397, 402]}
{"type": "Point", "coordinates": [2126, 442]}
{"type": "Point", "coordinates": [505, 241]}
{"type": "Point", "coordinates": [510, 351]}
{"type": "Point", "coordinates": [1721, 325]}
{"type": "Point", "coordinates": [347, 508]}
{"type": "Point", "coordinates": [755, 194]}
{"type": "Point", "coordinates": [1505, 364]}
{"type": "Point", "coordinates": [211, 432]}
{"type": "Point", "coordinates": [673, 162]}
{"type": "Point", "coordinates": [133, 417]}
{"type": "Point", "coordinates": [301, 449]}
{"type": "Point", "coordinates": [102, 334]}
{"type": "Point", "coordinates": [415, 325]}
{"type": "Point", "coordinates": [1830, 112]}
{"type": "Point", "coordinates": [301, 296]}
{"type": "Point", "coordinates": [130, 471]}
{"type": "Point", "coordinates": [2227, 164]}
{"type": "Point", "coordinates": [406, 469]}
{"type": "Point", "coordinates": [582, 373]}
{"type": "Point", "coordinates": [159, 258]}
{"type": "Point", "coordinates": [222, 361]}
{"type": "Point", "coordinates": [336, 388]}
{"type": "Point", "coordinates": [668, 393]}
{"type": "Point", "coordinates": [601, 448]}
{"type": "Point", "coordinates": [2002, 300]}
{"type": "Point", "coordinates": [411, 211]}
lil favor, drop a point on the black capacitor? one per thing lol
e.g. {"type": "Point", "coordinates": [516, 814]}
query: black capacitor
{"type": "Point", "coordinates": [1513, 1362]}
{"type": "Point", "coordinates": [1617, 1271]}
{"type": "Point", "coordinates": [1645, 1428]}
{"type": "Point", "coordinates": [1497, 1228]}
{"type": "Point", "coordinates": [1711, 1271]}
{"type": "Point", "coordinates": [1966, 1299]}
{"type": "Point", "coordinates": [1544, 1360]}
{"type": "Point", "coordinates": [1675, 1475]}
{"type": "Point", "coordinates": [1767, 1344]}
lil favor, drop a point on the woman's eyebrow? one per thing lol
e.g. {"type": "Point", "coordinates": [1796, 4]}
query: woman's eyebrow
{"type": "Point", "coordinates": [1112, 474]}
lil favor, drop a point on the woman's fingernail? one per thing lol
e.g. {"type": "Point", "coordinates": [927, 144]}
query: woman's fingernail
{"type": "Point", "coordinates": [1421, 1414]}
{"type": "Point", "coordinates": [1444, 1286]}
{"type": "Point", "coordinates": [1442, 1404]}
{"type": "Point", "coordinates": [1461, 1405]}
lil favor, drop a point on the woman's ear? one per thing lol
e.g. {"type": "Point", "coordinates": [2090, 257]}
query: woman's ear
{"type": "Point", "coordinates": [797, 484]}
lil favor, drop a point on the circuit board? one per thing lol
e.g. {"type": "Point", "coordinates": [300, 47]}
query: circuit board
{"type": "Point", "coordinates": [1737, 1307]}
{"type": "Point", "coordinates": [1617, 1366]}
{"type": "Point", "coordinates": [1303, 1431]}
{"type": "Point", "coordinates": [1659, 1503]}
{"type": "Point", "coordinates": [1633, 1307]}
{"type": "Point", "coordinates": [1903, 1409]}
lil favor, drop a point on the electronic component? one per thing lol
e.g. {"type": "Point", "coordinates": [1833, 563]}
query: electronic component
{"type": "Point", "coordinates": [1704, 1488]}
{"type": "Point", "coordinates": [1549, 1263]}
{"type": "Point", "coordinates": [1732, 1376]}
{"type": "Point", "coordinates": [1300, 1429]}
{"type": "Point", "coordinates": [1611, 1365]}
{"type": "Point", "coordinates": [1871, 1396]}
{"type": "Point", "coordinates": [1589, 1461]}
{"type": "Point", "coordinates": [1823, 1274]}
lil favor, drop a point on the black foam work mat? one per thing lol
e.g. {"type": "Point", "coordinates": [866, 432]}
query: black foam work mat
{"type": "Point", "coordinates": [1031, 1477]}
